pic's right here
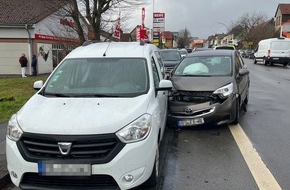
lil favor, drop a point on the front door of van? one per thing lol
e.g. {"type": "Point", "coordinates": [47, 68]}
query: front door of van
{"type": "Point", "coordinates": [161, 96]}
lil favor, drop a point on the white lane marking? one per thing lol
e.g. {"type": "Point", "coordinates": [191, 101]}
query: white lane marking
{"type": "Point", "coordinates": [262, 175]}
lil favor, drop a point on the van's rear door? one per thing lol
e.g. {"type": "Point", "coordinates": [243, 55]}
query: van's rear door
{"type": "Point", "coordinates": [280, 48]}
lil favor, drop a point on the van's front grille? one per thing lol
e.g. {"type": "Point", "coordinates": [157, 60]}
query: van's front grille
{"type": "Point", "coordinates": [36, 181]}
{"type": "Point", "coordinates": [95, 148]}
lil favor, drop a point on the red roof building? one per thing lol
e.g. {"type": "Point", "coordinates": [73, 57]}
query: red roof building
{"type": "Point", "coordinates": [282, 19]}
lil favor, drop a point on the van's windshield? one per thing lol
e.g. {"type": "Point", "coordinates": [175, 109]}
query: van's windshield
{"type": "Point", "coordinates": [99, 77]}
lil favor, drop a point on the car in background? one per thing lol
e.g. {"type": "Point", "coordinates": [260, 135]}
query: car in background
{"type": "Point", "coordinates": [183, 52]}
{"type": "Point", "coordinates": [249, 53]}
{"type": "Point", "coordinates": [208, 87]}
{"type": "Point", "coordinates": [170, 58]}
{"type": "Point", "coordinates": [201, 49]}
{"type": "Point", "coordinates": [189, 50]}
{"type": "Point", "coordinates": [229, 47]}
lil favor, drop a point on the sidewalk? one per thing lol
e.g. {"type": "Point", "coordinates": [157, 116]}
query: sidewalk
{"type": "Point", "coordinates": [4, 177]}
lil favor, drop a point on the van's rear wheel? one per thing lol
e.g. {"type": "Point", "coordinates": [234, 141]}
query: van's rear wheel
{"type": "Point", "coordinates": [285, 64]}
{"type": "Point", "coordinates": [153, 179]}
{"type": "Point", "coordinates": [265, 62]}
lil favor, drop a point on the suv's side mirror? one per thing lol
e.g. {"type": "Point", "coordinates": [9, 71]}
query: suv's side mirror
{"type": "Point", "coordinates": [243, 72]}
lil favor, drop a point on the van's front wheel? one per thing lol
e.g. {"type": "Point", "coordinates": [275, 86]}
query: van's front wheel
{"type": "Point", "coordinates": [153, 179]}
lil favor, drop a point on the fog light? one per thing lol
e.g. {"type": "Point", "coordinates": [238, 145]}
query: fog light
{"type": "Point", "coordinates": [128, 178]}
{"type": "Point", "coordinates": [14, 174]}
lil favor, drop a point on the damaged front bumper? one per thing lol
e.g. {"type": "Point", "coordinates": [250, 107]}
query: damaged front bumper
{"type": "Point", "coordinates": [197, 108]}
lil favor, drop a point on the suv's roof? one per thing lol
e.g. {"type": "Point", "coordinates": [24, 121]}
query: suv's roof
{"type": "Point", "coordinates": [113, 49]}
{"type": "Point", "coordinates": [211, 53]}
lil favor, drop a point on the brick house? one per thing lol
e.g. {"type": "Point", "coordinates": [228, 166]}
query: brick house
{"type": "Point", "coordinates": [35, 27]}
{"type": "Point", "coordinates": [282, 19]}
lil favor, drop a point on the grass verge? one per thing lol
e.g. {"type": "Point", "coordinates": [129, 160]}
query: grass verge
{"type": "Point", "coordinates": [14, 93]}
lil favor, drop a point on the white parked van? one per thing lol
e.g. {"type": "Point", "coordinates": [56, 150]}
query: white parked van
{"type": "Point", "coordinates": [273, 50]}
{"type": "Point", "coordinates": [96, 123]}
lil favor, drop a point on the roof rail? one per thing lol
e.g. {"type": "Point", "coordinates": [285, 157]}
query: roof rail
{"type": "Point", "coordinates": [143, 42]}
{"type": "Point", "coordinates": [88, 42]}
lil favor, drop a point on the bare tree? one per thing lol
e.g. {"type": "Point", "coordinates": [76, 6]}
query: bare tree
{"type": "Point", "coordinates": [101, 12]}
{"type": "Point", "coordinates": [251, 27]}
{"type": "Point", "coordinates": [183, 38]}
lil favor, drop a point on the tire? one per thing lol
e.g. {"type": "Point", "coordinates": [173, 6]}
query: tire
{"type": "Point", "coordinates": [237, 116]}
{"type": "Point", "coordinates": [255, 61]}
{"type": "Point", "coordinates": [153, 179]}
{"type": "Point", "coordinates": [285, 64]}
{"type": "Point", "coordinates": [245, 103]}
{"type": "Point", "coordinates": [265, 62]}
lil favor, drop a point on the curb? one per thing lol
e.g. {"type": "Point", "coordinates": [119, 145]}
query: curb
{"type": "Point", "coordinates": [5, 180]}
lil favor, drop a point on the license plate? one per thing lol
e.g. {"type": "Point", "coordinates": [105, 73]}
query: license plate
{"type": "Point", "coordinates": [190, 122]}
{"type": "Point", "coordinates": [55, 169]}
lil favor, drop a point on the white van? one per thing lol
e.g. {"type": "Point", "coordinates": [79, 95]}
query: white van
{"type": "Point", "coordinates": [273, 50]}
{"type": "Point", "coordinates": [96, 123]}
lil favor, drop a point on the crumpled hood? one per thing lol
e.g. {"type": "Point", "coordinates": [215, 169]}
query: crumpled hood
{"type": "Point", "coordinates": [76, 116]}
{"type": "Point", "coordinates": [199, 83]}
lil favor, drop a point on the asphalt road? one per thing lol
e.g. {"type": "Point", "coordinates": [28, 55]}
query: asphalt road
{"type": "Point", "coordinates": [213, 158]}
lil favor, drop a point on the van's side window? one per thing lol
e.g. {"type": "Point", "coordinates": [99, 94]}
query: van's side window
{"type": "Point", "coordinates": [155, 73]}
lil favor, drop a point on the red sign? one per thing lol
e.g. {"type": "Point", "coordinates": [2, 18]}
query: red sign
{"type": "Point", "coordinates": [54, 38]}
{"type": "Point", "coordinates": [159, 15]}
{"type": "Point", "coordinates": [138, 31]}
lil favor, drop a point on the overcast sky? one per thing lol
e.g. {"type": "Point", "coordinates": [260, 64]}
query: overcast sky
{"type": "Point", "coordinates": [202, 17]}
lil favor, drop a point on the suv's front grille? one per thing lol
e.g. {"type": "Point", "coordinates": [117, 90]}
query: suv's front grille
{"type": "Point", "coordinates": [36, 181]}
{"type": "Point", "coordinates": [96, 148]}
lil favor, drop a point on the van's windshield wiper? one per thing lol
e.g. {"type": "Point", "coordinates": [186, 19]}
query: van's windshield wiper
{"type": "Point", "coordinates": [57, 94]}
{"type": "Point", "coordinates": [97, 95]}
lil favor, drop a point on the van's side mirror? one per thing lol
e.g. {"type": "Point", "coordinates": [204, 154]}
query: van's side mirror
{"type": "Point", "coordinates": [38, 85]}
{"type": "Point", "coordinates": [164, 85]}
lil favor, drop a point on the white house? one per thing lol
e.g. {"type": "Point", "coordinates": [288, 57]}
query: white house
{"type": "Point", "coordinates": [35, 27]}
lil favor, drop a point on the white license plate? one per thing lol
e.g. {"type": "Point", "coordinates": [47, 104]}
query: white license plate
{"type": "Point", "coordinates": [54, 169]}
{"type": "Point", "coordinates": [190, 122]}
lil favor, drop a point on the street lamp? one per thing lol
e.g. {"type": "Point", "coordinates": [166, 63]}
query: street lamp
{"type": "Point", "coordinates": [228, 30]}
{"type": "Point", "coordinates": [225, 26]}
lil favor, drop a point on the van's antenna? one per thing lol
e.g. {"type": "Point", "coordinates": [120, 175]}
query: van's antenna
{"type": "Point", "coordinates": [104, 55]}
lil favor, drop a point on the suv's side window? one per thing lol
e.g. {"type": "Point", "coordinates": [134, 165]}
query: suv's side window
{"type": "Point", "coordinates": [155, 73]}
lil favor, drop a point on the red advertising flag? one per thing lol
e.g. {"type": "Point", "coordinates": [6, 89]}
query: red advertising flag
{"type": "Point", "coordinates": [117, 31]}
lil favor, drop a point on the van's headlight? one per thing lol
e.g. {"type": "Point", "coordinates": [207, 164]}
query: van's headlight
{"type": "Point", "coordinates": [14, 132]}
{"type": "Point", "coordinates": [225, 91]}
{"type": "Point", "coordinates": [137, 130]}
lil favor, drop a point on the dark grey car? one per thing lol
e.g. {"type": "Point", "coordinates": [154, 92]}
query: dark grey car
{"type": "Point", "coordinates": [209, 87]}
{"type": "Point", "coordinates": [170, 58]}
